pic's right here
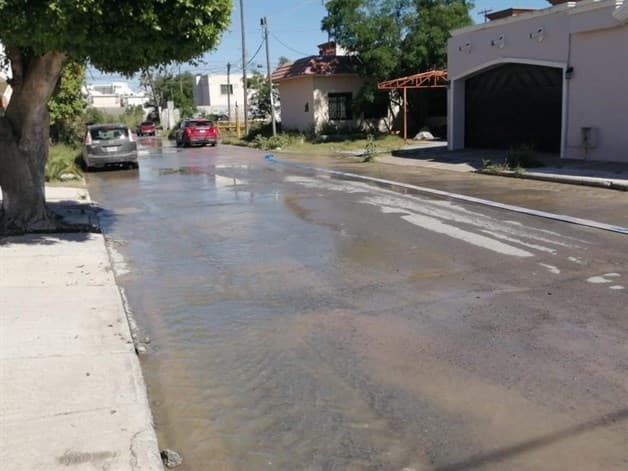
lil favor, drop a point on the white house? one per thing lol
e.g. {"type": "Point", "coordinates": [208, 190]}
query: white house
{"type": "Point", "coordinates": [219, 94]}
{"type": "Point", "coordinates": [553, 78]}
{"type": "Point", "coordinates": [113, 95]}
{"type": "Point", "coordinates": [317, 90]}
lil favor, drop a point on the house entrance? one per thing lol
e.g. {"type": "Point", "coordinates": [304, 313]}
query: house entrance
{"type": "Point", "coordinates": [512, 105]}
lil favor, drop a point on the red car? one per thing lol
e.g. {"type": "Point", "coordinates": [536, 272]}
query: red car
{"type": "Point", "coordinates": [196, 131]}
{"type": "Point", "coordinates": [146, 128]}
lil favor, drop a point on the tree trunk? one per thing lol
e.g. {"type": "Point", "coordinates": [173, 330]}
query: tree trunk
{"type": "Point", "coordinates": [24, 136]}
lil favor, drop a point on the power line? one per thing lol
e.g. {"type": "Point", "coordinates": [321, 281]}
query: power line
{"type": "Point", "coordinates": [256, 52]}
{"type": "Point", "coordinates": [288, 47]}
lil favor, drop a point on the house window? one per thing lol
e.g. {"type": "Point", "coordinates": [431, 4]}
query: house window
{"type": "Point", "coordinates": [339, 106]}
{"type": "Point", "coordinates": [226, 89]}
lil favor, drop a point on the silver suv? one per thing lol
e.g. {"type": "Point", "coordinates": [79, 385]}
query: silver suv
{"type": "Point", "coordinates": [108, 145]}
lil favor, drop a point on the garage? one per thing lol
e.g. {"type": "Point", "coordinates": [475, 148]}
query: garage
{"type": "Point", "coordinates": [514, 104]}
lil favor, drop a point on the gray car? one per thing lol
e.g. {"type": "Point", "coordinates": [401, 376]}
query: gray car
{"type": "Point", "coordinates": [109, 145]}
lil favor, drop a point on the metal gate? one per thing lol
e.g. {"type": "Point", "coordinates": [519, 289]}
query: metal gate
{"type": "Point", "coordinates": [512, 105]}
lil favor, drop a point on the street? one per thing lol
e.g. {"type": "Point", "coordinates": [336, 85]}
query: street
{"type": "Point", "coordinates": [300, 321]}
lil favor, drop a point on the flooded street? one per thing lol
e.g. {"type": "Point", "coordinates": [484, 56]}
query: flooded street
{"type": "Point", "coordinates": [302, 322]}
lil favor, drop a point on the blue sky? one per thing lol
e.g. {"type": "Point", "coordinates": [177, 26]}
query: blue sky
{"type": "Point", "coordinates": [294, 28]}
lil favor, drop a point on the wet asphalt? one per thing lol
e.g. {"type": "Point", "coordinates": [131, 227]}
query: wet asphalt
{"type": "Point", "coordinates": [304, 322]}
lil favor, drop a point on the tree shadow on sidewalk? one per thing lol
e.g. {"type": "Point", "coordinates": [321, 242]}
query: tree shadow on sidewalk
{"type": "Point", "coordinates": [473, 157]}
{"type": "Point", "coordinates": [74, 221]}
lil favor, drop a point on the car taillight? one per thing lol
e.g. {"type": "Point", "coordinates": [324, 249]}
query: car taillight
{"type": "Point", "coordinates": [88, 139]}
{"type": "Point", "coordinates": [189, 130]}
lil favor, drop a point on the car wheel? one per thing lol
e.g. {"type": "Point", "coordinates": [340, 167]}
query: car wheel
{"type": "Point", "coordinates": [214, 144]}
{"type": "Point", "coordinates": [185, 142]}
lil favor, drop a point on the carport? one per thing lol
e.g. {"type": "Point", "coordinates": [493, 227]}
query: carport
{"type": "Point", "coordinates": [431, 79]}
{"type": "Point", "coordinates": [514, 104]}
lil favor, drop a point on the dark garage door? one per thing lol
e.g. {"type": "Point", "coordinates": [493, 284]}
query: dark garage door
{"type": "Point", "coordinates": [514, 104]}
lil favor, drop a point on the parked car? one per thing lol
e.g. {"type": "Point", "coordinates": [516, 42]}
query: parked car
{"type": "Point", "coordinates": [108, 145]}
{"type": "Point", "coordinates": [146, 128]}
{"type": "Point", "coordinates": [218, 117]}
{"type": "Point", "coordinates": [196, 131]}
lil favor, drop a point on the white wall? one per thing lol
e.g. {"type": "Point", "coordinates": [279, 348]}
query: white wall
{"type": "Point", "coordinates": [208, 95]}
{"type": "Point", "coordinates": [104, 101]}
{"type": "Point", "coordinates": [295, 94]}
{"type": "Point", "coordinates": [586, 37]}
{"type": "Point", "coordinates": [598, 95]}
{"type": "Point", "coordinates": [324, 85]}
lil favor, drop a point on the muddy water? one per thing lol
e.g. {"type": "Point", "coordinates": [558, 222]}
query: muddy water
{"type": "Point", "coordinates": [296, 328]}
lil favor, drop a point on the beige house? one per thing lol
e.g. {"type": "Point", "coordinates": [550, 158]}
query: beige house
{"type": "Point", "coordinates": [318, 90]}
{"type": "Point", "coordinates": [553, 78]}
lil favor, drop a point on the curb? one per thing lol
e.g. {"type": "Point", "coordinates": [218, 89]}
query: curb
{"type": "Point", "coordinates": [455, 196]}
{"type": "Point", "coordinates": [569, 180]}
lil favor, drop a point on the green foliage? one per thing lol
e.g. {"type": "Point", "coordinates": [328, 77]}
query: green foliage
{"type": "Point", "coordinates": [522, 156]}
{"type": "Point", "coordinates": [67, 105]}
{"type": "Point", "coordinates": [62, 160]}
{"type": "Point", "coordinates": [95, 116]}
{"type": "Point", "coordinates": [123, 36]}
{"type": "Point", "coordinates": [131, 116]}
{"type": "Point", "coordinates": [179, 88]}
{"type": "Point", "coordinates": [393, 38]}
{"type": "Point", "coordinates": [260, 99]}
{"type": "Point", "coordinates": [517, 160]}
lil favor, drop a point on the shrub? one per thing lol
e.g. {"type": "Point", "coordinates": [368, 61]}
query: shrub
{"type": "Point", "coordinates": [522, 156]}
{"type": "Point", "coordinates": [62, 160]}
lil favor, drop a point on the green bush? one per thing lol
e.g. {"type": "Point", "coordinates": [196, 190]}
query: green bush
{"type": "Point", "coordinates": [269, 143]}
{"type": "Point", "coordinates": [95, 116]}
{"type": "Point", "coordinates": [522, 156]}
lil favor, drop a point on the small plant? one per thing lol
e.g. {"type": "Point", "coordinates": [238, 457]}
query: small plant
{"type": "Point", "coordinates": [62, 163]}
{"type": "Point", "coordinates": [522, 156]}
{"type": "Point", "coordinates": [371, 148]}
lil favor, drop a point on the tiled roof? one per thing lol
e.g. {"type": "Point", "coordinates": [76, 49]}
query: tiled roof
{"type": "Point", "coordinates": [315, 65]}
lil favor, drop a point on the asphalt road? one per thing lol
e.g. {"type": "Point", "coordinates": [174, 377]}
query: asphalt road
{"type": "Point", "coordinates": [304, 322]}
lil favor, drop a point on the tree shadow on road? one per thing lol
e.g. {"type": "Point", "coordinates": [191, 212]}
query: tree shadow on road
{"type": "Point", "coordinates": [491, 457]}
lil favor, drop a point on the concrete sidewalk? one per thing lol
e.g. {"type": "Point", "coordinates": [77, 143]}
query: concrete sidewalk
{"type": "Point", "coordinates": [71, 388]}
{"type": "Point", "coordinates": [612, 175]}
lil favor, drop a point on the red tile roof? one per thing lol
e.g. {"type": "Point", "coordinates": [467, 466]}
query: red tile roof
{"type": "Point", "coordinates": [315, 65]}
{"type": "Point", "coordinates": [498, 15]}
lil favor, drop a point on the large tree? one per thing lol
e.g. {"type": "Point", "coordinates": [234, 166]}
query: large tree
{"type": "Point", "coordinates": [121, 36]}
{"type": "Point", "coordinates": [394, 38]}
{"type": "Point", "coordinates": [176, 87]}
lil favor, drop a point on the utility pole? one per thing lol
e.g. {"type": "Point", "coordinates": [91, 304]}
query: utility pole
{"type": "Point", "coordinates": [485, 14]}
{"type": "Point", "coordinates": [244, 85]}
{"type": "Point", "coordinates": [229, 90]}
{"type": "Point", "coordinates": [264, 23]}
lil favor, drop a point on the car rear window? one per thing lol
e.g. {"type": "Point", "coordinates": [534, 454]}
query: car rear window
{"type": "Point", "coordinates": [147, 123]}
{"type": "Point", "coordinates": [109, 132]}
{"type": "Point", "coordinates": [199, 122]}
